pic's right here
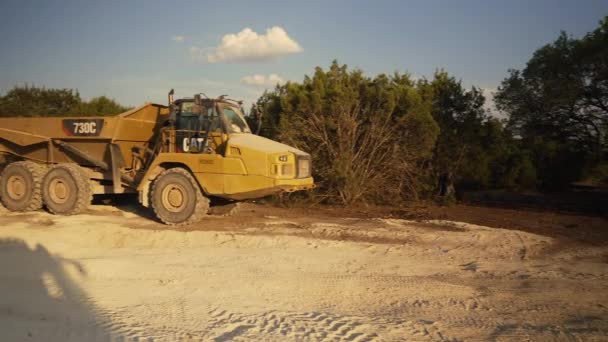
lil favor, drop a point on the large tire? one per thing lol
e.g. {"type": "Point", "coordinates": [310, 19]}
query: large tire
{"type": "Point", "coordinates": [66, 189]}
{"type": "Point", "coordinates": [177, 199]}
{"type": "Point", "coordinates": [20, 186]}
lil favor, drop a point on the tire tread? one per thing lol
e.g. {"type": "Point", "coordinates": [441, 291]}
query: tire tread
{"type": "Point", "coordinates": [85, 197]}
{"type": "Point", "coordinates": [37, 171]}
{"type": "Point", "coordinates": [202, 203]}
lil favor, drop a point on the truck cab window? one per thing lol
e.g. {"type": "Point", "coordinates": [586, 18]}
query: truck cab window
{"type": "Point", "coordinates": [235, 121]}
{"type": "Point", "coordinates": [186, 118]}
{"type": "Point", "coordinates": [214, 124]}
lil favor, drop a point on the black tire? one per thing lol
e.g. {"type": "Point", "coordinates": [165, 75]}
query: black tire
{"type": "Point", "coordinates": [224, 209]}
{"type": "Point", "coordinates": [177, 199]}
{"type": "Point", "coordinates": [20, 186]}
{"type": "Point", "coordinates": [66, 189]}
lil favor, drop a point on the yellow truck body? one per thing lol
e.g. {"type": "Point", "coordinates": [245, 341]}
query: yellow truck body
{"type": "Point", "coordinates": [128, 152]}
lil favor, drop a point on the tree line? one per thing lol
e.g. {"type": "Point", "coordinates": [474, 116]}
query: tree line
{"type": "Point", "coordinates": [392, 138]}
{"type": "Point", "coordinates": [33, 101]}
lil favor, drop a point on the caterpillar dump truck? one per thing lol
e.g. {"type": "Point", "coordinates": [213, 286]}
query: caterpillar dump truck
{"type": "Point", "coordinates": [191, 158]}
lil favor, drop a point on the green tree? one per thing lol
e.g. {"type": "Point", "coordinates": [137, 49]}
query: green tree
{"type": "Point", "coordinates": [32, 101]}
{"type": "Point", "coordinates": [459, 156]}
{"type": "Point", "coordinates": [99, 106]}
{"type": "Point", "coordinates": [508, 165]}
{"type": "Point", "coordinates": [369, 137]}
{"type": "Point", "coordinates": [558, 106]}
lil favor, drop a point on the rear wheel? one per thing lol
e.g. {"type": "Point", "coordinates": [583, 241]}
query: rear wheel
{"type": "Point", "coordinates": [177, 199]}
{"type": "Point", "coordinates": [20, 186]}
{"type": "Point", "coordinates": [66, 190]}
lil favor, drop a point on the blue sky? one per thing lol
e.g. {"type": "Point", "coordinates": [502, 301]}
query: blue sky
{"type": "Point", "coordinates": [135, 51]}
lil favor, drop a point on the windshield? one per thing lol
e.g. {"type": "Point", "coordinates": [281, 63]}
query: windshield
{"type": "Point", "coordinates": [186, 118]}
{"type": "Point", "coordinates": [235, 121]}
{"type": "Point", "coordinates": [187, 108]}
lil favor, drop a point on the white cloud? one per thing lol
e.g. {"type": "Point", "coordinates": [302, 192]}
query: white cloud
{"type": "Point", "coordinates": [247, 46]}
{"type": "Point", "coordinates": [179, 39]}
{"type": "Point", "coordinates": [259, 80]}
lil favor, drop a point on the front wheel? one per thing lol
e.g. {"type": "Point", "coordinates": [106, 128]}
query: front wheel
{"type": "Point", "coordinates": [177, 199]}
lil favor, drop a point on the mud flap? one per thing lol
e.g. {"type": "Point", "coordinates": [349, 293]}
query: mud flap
{"type": "Point", "coordinates": [117, 162]}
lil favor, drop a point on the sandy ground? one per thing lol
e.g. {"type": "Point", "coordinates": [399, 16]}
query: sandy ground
{"type": "Point", "coordinates": [280, 275]}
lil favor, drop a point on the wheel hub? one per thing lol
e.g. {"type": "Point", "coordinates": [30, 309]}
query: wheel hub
{"type": "Point", "coordinates": [16, 187]}
{"type": "Point", "coordinates": [59, 191]}
{"type": "Point", "coordinates": [173, 197]}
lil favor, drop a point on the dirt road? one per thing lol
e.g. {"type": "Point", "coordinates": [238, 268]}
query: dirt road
{"type": "Point", "coordinates": [277, 275]}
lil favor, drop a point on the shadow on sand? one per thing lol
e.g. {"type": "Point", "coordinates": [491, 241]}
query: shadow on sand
{"type": "Point", "coordinates": [127, 203]}
{"type": "Point", "coordinates": [39, 301]}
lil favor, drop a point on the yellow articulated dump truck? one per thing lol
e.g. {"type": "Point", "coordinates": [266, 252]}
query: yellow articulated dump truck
{"type": "Point", "coordinates": [194, 157]}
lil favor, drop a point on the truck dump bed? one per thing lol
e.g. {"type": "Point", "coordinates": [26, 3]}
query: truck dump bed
{"type": "Point", "coordinates": [54, 139]}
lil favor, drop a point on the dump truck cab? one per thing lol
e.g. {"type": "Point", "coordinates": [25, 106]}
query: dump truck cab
{"type": "Point", "coordinates": [211, 138]}
{"type": "Point", "coordinates": [193, 121]}
{"type": "Point", "coordinates": [194, 157]}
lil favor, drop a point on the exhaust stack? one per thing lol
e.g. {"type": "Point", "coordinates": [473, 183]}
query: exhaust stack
{"type": "Point", "coordinates": [170, 95]}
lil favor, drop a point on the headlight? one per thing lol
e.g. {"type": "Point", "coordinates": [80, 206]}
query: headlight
{"type": "Point", "coordinates": [303, 167]}
{"type": "Point", "coordinates": [287, 170]}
